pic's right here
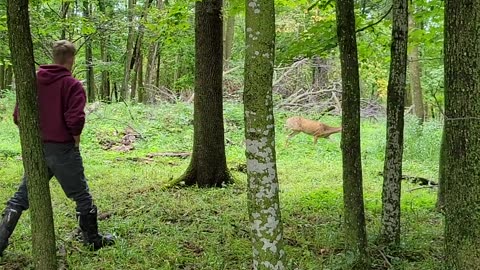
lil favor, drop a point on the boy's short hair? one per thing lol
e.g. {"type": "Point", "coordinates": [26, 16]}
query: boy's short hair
{"type": "Point", "coordinates": [62, 51]}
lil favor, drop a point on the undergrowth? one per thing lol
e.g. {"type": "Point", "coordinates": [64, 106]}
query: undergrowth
{"type": "Point", "coordinates": [192, 228]}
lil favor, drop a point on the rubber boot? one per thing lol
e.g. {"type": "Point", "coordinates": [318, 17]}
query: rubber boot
{"type": "Point", "coordinates": [8, 223]}
{"type": "Point", "coordinates": [89, 226]}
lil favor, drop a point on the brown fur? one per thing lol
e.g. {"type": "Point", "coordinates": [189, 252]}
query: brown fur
{"type": "Point", "coordinates": [317, 129]}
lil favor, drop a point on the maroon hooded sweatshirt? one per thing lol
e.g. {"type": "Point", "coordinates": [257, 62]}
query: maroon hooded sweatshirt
{"type": "Point", "coordinates": [61, 100]}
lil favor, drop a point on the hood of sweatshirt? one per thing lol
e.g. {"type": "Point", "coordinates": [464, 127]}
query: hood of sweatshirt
{"type": "Point", "coordinates": [48, 74]}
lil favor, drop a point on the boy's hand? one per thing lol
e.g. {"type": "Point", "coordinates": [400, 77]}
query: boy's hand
{"type": "Point", "coordinates": [77, 140]}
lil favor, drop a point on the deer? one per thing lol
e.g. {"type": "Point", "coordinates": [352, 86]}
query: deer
{"type": "Point", "coordinates": [317, 129]}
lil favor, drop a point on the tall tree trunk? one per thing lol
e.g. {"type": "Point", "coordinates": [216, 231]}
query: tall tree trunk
{"type": "Point", "coordinates": [263, 186]}
{"type": "Point", "coordinates": [89, 56]}
{"type": "Point", "coordinates": [441, 175]}
{"type": "Point", "coordinates": [208, 166]}
{"type": "Point", "coordinates": [2, 77]}
{"type": "Point", "coordinates": [390, 230]}
{"type": "Point", "coordinates": [159, 62]}
{"type": "Point", "coordinates": [21, 47]}
{"type": "Point", "coordinates": [408, 96]}
{"type": "Point", "coordinates": [152, 58]}
{"type": "Point", "coordinates": [228, 40]}
{"type": "Point", "coordinates": [319, 73]}
{"type": "Point", "coordinates": [64, 14]}
{"type": "Point", "coordinates": [8, 77]}
{"type": "Point", "coordinates": [150, 72]}
{"type": "Point", "coordinates": [129, 52]}
{"type": "Point", "coordinates": [462, 133]}
{"type": "Point", "coordinates": [415, 78]}
{"type": "Point", "coordinates": [140, 87]}
{"type": "Point", "coordinates": [105, 88]}
{"type": "Point", "coordinates": [355, 232]}
{"type": "Point", "coordinates": [133, 84]}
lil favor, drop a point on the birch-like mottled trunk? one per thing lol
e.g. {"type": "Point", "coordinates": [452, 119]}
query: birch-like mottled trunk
{"type": "Point", "coordinates": [354, 216]}
{"type": "Point", "coordinates": [21, 48]}
{"type": "Point", "coordinates": [392, 171]}
{"type": "Point", "coordinates": [263, 187]}
{"type": "Point", "coordinates": [462, 134]}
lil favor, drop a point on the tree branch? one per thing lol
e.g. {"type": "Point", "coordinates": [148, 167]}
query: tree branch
{"type": "Point", "coordinates": [375, 23]}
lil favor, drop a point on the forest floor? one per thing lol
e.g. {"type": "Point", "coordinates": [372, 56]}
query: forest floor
{"type": "Point", "coordinates": [191, 228]}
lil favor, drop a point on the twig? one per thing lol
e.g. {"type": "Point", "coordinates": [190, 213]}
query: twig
{"type": "Point", "coordinates": [375, 23]}
{"type": "Point", "coordinates": [422, 187]}
{"type": "Point", "coordinates": [385, 259]}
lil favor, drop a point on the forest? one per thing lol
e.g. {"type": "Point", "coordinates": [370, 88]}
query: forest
{"type": "Point", "coordinates": [227, 134]}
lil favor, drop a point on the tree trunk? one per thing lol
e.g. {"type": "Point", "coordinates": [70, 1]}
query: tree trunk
{"type": "Point", "coordinates": [263, 186]}
{"type": "Point", "coordinates": [415, 78]}
{"type": "Point", "coordinates": [21, 47]}
{"type": "Point", "coordinates": [152, 58]}
{"type": "Point", "coordinates": [228, 40]}
{"type": "Point", "coordinates": [208, 166]}
{"type": "Point", "coordinates": [462, 133]}
{"type": "Point", "coordinates": [8, 77]}
{"type": "Point", "coordinates": [129, 52]}
{"type": "Point", "coordinates": [64, 14]}
{"type": "Point", "coordinates": [150, 72]}
{"type": "Point", "coordinates": [159, 62]}
{"type": "Point", "coordinates": [390, 230]}
{"type": "Point", "coordinates": [140, 87]}
{"type": "Point", "coordinates": [441, 176]}
{"type": "Point", "coordinates": [2, 77]}
{"type": "Point", "coordinates": [408, 96]}
{"type": "Point", "coordinates": [133, 84]}
{"type": "Point", "coordinates": [105, 90]}
{"type": "Point", "coordinates": [355, 233]}
{"type": "Point", "coordinates": [89, 57]}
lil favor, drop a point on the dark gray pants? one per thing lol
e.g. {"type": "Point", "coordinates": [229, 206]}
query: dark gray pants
{"type": "Point", "coordinates": [65, 163]}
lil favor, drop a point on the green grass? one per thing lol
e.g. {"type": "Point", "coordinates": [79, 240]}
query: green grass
{"type": "Point", "coordinates": [192, 228]}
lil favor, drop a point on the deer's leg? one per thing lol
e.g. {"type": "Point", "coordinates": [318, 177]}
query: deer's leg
{"type": "Point", "coordinates": [293, 133]}
{"type": "Point", "coordinates": [315, 139]}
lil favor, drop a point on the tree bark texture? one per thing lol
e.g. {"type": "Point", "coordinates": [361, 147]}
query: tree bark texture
{"type": "Point", "coordinates": [263, 186]}
{"type": "Point", "coordinates": [390, 228]}
{"type": "Point", "coordinates": [415, 78]}
{"type": "Point", "coordinates": [8, 77]}
{"type": "Point", "coordinates": [228, 40]}
{"type": "Point", "coordinates": [354, 216]}
{"type": "Point", "coordinates": [441, 175]}
{"type": "Point", "coordinates": [208, 166]}
{"type": "Point", "coordinates": [2, 77]}
{"type": "Point", "coordinates": [129, 52]}
{"type": "Point", "coordinates": [89, 57]}
{"type": "Point", "coordinates": [151, 71]}
{"type": "Point", "coordinates": [20, 41]}
{"type": "Point", "coordinates": [104, 39]}
{"type": "Point", "coordinates": [64, 14]}
{"type": "Point", "coordinates": [462, 134]}
{"type": "Point", "coordinates": [140, 86]}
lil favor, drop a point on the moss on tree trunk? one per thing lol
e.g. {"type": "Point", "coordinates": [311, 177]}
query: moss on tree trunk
{"type": "Point", "coordinates": [354, 216]}
{"type": "Point", "coordinates": [208, 166]}
{"type": "Point", "coordinates": [462, 134]}
{"type": "Point", "coordinates": [263, 187]}
{"type": "Point", "coordinates": [390, 230]}
{"type": "Point", "coordinates": [20, 41]}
